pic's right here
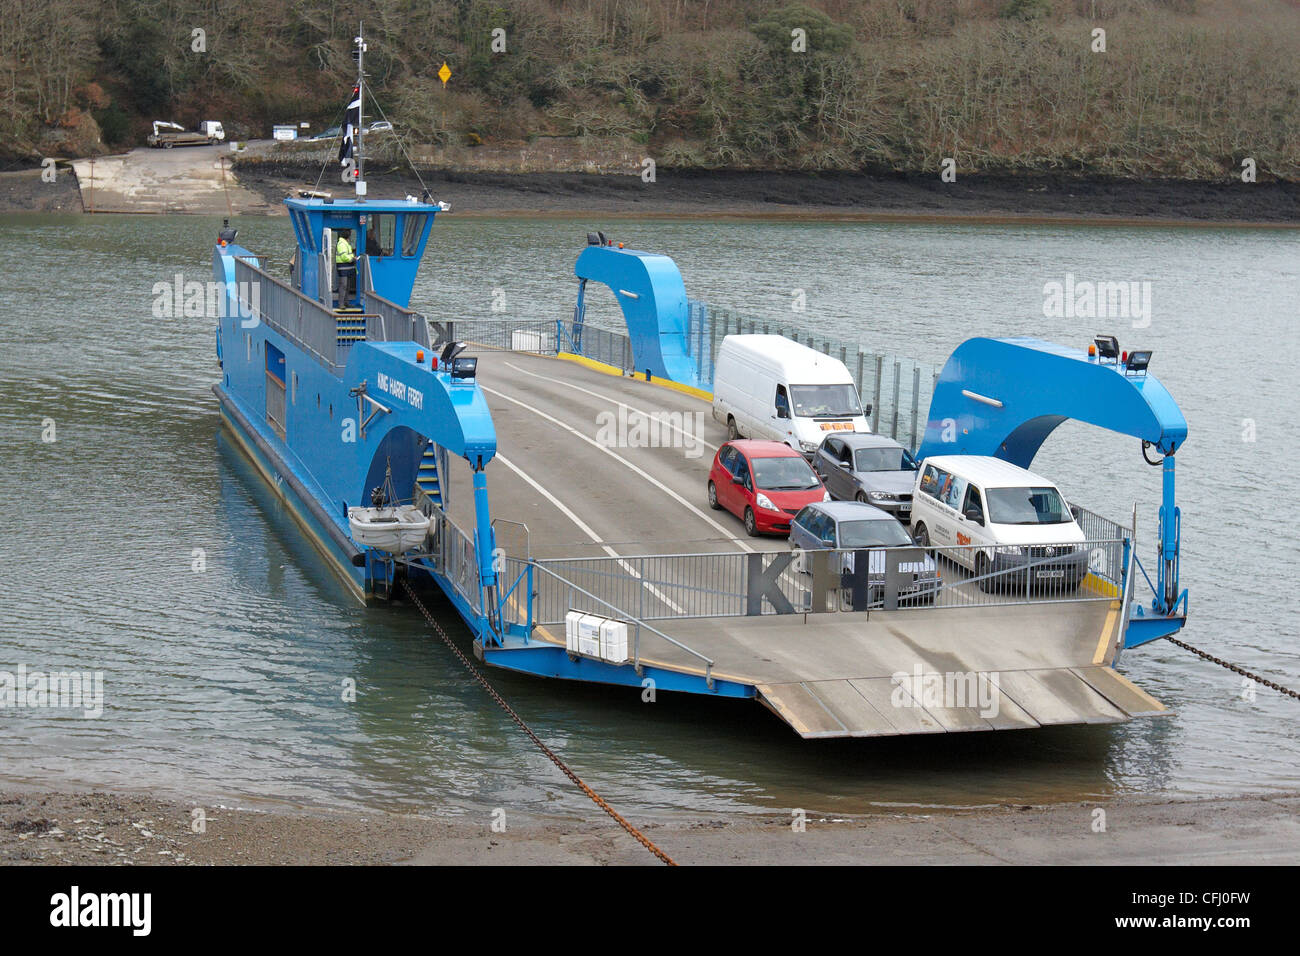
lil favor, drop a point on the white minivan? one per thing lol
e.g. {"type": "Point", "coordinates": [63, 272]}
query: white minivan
{"type": "Point", "coordinates": [768, 387]}
{"type": "Point", "coordinates": [997, 519]}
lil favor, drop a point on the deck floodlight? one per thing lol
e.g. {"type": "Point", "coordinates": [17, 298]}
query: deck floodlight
{"type": "Point", "coordinates": [1139, 360]}
{"type": "Point", "coordinates": [1107, 347]}
{"type": "Point", "coordinates": [464, 366]}
{"type": "Point", "coordinates": [450, 351]}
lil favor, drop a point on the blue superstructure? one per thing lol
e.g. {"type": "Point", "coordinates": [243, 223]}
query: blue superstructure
{"type": "Point", "coordinates": [652, 296]}
{"type": "Point", "coordinates": [329, 394]}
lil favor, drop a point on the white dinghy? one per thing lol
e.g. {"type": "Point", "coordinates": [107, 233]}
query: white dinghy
{"type": "Point", "coordinates": [395, 528]}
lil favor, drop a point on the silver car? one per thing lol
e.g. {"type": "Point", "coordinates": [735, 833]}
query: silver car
{"type": "Point", "coordinates": [849, 526]}
{"type": "Point", "coordinates": [873, 469]}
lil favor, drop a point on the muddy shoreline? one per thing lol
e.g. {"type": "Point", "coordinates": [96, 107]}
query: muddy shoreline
{"type": "Point", "coordinates": [831, 195]}
{"type": "Point", "coordinates": [720, 193]}
{"type": "Point", "coordinates": [88, 826]}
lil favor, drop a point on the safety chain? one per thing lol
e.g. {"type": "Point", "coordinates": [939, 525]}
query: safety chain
{"type": "Point", "coordinates": [478, 676]}
{"type": "Point", "coordinates": [1234, 668]}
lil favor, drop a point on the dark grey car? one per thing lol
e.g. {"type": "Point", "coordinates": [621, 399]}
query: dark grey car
{"type": "Point", "coordinates": [849, 526]}
{"type": "Point", "coordinates": [873, 469]}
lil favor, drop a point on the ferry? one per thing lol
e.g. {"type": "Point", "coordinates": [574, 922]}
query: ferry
{"type": "Point", "coordinates": [575, 558]}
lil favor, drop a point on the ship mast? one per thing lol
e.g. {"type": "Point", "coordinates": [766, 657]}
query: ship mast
{"type": "Point", "coordinates": [360, 54]}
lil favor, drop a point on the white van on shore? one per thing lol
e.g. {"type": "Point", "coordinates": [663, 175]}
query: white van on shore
{"type": "Point", "coordinates": [769, 387]}
{"type": "Point", "coordinates": [995, 518]}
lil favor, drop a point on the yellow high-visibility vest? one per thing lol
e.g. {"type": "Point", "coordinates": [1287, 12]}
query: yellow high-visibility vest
{"type": "Point", "coordinates": [343, 252]}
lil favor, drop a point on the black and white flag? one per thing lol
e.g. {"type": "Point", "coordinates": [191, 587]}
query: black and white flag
{"type": "Point", "coordinates": [350, 125]}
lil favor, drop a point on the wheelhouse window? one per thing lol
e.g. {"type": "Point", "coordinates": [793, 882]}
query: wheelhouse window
{"type": "Point", "coordinates": [1027, 506]}
{"type": "Point", "coordinates": [381, 234]}
{"type": "Point", "coordinates": [412, 229]}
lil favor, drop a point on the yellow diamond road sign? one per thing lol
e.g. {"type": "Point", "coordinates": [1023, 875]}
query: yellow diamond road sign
{"type": "Point", "coordinates": [444, 74]}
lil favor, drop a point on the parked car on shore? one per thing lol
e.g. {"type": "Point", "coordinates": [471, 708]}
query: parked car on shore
{"type": "Point", "coordinates": [763, 483]}
{"type": "Point", "coordinates": [870, 468]}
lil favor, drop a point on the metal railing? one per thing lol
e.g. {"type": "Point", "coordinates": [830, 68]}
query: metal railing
{"type": "Point", "coordinates": [453, 555]}
{"type": "Point", "coordinates": [1095, 526]}
{"type": "Point", "coordinates": [733, 584]}
{"type": "Point", "coordinates": [511, 335]}
{"type": "Point", "coordinates": [391, 322]}
{"type": "Point", "coordinates": [533, 577]}
{"type": "Point", "coordinates": [547, 337]}
{"type": "Point", "coordinates": [303, 321]}
{"type": "Point", "coordinates": [600, 345]}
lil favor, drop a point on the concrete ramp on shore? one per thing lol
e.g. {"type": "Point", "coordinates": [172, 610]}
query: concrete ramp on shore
{"type": "Point", "coordinates": [187, 179]}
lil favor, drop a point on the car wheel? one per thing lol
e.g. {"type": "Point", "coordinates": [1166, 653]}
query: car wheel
{"type": "Point", "coordinates": [167, 145]}
{"type": "Point", "coordinates": [751, 525]}
{"type": "Point", "coordinates": [732, 431]}
{"type": "Point", "coordinates": [922, 536]}
{"type": "Point", "coordinates": [713, 497]}
{"type": "Point", "coordinates": [981, 570]}
{"type": "Point", "coordinates": [862, 498]}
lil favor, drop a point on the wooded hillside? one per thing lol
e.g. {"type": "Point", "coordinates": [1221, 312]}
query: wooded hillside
{"type": "Point", "coordinates": [1185, 88]}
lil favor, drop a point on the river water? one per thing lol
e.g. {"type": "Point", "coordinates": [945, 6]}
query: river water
{"type": "Point", "coordinates": [227, 680]}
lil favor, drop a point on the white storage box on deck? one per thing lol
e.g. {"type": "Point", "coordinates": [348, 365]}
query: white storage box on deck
{"type": "Point", "coordinates": [582, 633]}
{"type": "Point", "coordinates": [613, 641]}
{"type": "Point", "coordinates": [571, 631]}
{"type": "Point", "coordinates": [596, 636]}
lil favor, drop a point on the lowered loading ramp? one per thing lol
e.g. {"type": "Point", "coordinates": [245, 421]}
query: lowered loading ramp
{"type": "Point", "coordinates": [883, 706]}
{"type": "Point", "coordinates": [918, 671]}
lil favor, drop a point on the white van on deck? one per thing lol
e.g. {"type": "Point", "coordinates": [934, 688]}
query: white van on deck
{"type": "Point", "coordinates": [995, 518]}
{"type": "Point", "coordinates": [768, 387]}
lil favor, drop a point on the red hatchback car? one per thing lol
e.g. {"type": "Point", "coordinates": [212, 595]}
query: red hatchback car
{"type": "Point", "coordinates": [765, 483]}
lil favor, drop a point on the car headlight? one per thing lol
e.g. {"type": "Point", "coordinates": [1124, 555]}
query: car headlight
{"type": "Point", "coordinates": [763, 501]}
{"type": "Point", "coordinates": [807, 445]}
{"type": "Point", "coordinates": [1013, 549]}
{"type": "Point", "coordinates": [881, 496]}
{"type": "Point", "coordinates": [826, 496]}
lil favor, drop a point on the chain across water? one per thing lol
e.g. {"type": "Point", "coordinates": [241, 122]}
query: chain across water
{"type": "Point", "coordinates": [551, 755]}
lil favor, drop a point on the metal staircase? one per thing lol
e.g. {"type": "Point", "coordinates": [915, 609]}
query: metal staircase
{"type": "Point", "coordinates": [428, 481]}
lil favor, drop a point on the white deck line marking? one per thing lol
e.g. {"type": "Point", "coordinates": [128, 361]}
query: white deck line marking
{"type": "Point", "coordinates": [587, 530]}
{"type": "Point", "coordinates": [623, 461]}
{"type": "Point", "coordinates": [606, 398]}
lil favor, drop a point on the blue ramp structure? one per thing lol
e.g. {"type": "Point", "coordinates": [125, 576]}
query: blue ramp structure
{"type": "Point", "coordinates": [650, 291]}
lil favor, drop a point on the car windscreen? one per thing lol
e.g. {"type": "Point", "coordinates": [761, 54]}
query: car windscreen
{"type": "Point", "coordinates": [1027, 506]}
{"type": "Point", "coordinates": [784, 474]}
{"type": "Point", "coordinates": [886, 533]}
{"type": "Point", "coordinates": [884, 459]}
{"type": "Point", "coordinates": [825, 401]}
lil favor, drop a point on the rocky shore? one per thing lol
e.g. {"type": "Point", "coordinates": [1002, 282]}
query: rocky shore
{"type": "Point", "coordinates": [43, 827]}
